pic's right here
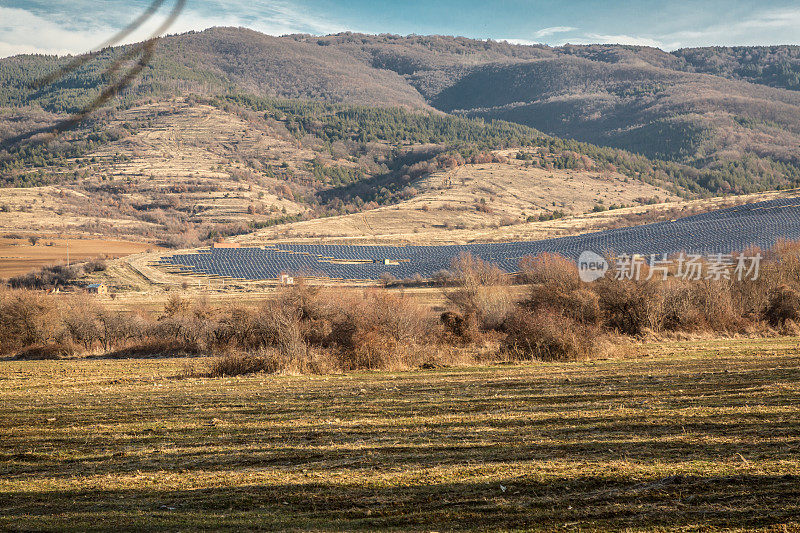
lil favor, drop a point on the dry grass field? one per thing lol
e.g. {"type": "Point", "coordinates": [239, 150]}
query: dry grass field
{"type": "Point", "coordinates": [18, 256]}
{"type": "Point", "coordinates": [55, 210]}
{"type": "Point", "coordinates": [684, 436]}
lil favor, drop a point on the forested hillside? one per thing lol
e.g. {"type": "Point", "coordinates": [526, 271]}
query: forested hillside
{"type": "Point", "coordinates": [776, 66]}
{"type": "Point", "coordinates": [704, 119]}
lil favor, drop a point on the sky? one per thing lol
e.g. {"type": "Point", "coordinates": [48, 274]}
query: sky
{"type": "Point", "coordinates": [75, 26]}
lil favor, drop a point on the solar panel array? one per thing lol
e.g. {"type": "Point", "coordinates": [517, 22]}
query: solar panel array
{"type": "Point", "coordinates": [722, 231]}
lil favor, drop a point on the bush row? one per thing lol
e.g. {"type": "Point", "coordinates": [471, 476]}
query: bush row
{"type": "Point", "coordinates": [546, 313]}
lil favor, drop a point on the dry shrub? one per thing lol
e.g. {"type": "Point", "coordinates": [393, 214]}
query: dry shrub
{"type": "Point", "coordinates": [790, 328]}
{"type": "Point", "coordinates": [271, 361]}
{"type": "Point", "coordinates": [555, 285]}
{"type": "Point", "coordinates": [694, 306]}
{"type": "Point", "coordinates": [582, 305]}
{"type": "Point", "coordinates": [80, 325]}
{"type": "Point", "coordinates": [482, 292]}
{"type": "Point", "coordinates": [630, 307]}
{"type": "Point", "coordinates": [177, 306]}
{"type": "Point", "coordinates": [461, 327]}
{"type": "Point", "coordinates": [371, 350]}
{"type": "Point", "coordinates": [46, 352]}
{"type": "Point", "coordinates": [186, 335]}
{"type": "Point", "coordinates": [783, 306]}
{"type": "Point", "coordinates": [152, 347]}
{"type": "Point", "coordinates": [454, 323]}
{"type": "Point", "coordinates": [679, 310]}
{"type": "Point", "coordinates": [307, 330]}
{"type": "Point", "coordinates": [715, 303]}
{"type": "Point", "coordinates": [291, 343]}
{"type": "Point", "coordinates": [786, 257]}
{"type": "Point", "coordinates": [375, 331]}
{"type": "Point", "coordinates": [28, 319]}
{"type": "Point", "coordinates": [552, 270]}
{"type": "Point", "coordinates": [308, 301]}
{"type": "Point", "coordinates": [751, 297]}
{"type": "Point", "coordinates": [238, 364]}
{"type": "Point", "coordinates": [548, 336]}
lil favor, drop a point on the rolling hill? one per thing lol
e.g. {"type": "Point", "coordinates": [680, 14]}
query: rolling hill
{"type": "Point", "coordinates": [704, 107]}
{"type": "Point", "coordinates": [229, 132]}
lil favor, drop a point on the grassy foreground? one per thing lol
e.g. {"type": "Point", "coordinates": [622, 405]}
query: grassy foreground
{"type": "Point", "coordinates": [690, 436]}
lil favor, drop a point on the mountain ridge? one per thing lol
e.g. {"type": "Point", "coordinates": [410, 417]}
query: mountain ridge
{"type": "Point", "coordinates": [683, 106]}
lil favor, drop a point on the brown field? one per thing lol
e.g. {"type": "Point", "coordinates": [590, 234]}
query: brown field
{"type": "Point", "coordinates": [697, 436]}
{"type": "Point", "coordinates": [18, 256]}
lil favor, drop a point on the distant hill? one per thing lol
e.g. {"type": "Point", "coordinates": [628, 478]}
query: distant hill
{"type": "Point", "coordinates": [694, 105]}
{"type": "Point", "coordinates": [775, 66]}
{"type": "Point", "coordinates": [730, 117]}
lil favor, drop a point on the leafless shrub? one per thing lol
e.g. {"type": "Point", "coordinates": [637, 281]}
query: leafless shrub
{"type": "Point", "coordinates": [372, 331]}
{"type": "Point", "coordinates": [553, 270]}
{"type": "Point", "coordinates": [45, 352]}
{"type": "Point", "coordinates": [630, 307]}
{"type": "Point", "coordinates": [715, 303]}
{"type": "Point", "coordinates": [177, 306]}
{"type": "Point", "coordinates": [482, 292]}
{"type": "Point", "coordinates": [238, 364]}
{"type": "Point", "coordinates": [27, 319]}
{"type": "Point", "coordinates": [783, 307]}
{"type": "Point", "coordinates": [548, 336]}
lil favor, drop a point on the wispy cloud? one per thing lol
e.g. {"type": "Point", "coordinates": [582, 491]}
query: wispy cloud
{"type": "Point", "coordinates": [592, 38]}
{"type": "Point", "coordinates": [776, 26]}
{"type": "Point", "coordinates": [25, 31]}
{"type": "Point", "coordinates": [275, 17]}
{"type": "Point", "coordinates": [538, 36]}
{"type": "Point", "coordinates": [546, 32]}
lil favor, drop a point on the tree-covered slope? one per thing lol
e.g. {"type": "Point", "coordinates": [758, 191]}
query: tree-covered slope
{"type": "Point", "coordinates": [710, 109]}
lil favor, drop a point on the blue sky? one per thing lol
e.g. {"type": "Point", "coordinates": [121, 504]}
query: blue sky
{"type": "Point", "coordinates": [63, 26]}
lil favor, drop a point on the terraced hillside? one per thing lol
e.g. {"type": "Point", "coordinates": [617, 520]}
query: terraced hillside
{"type": "Point", "coordinates": [177, 173]}
{"type": "Point", "coordinates": [181, 172]}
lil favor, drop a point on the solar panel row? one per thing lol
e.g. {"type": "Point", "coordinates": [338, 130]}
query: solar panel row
{"type": "Point", "coordinates": [722, 231]}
